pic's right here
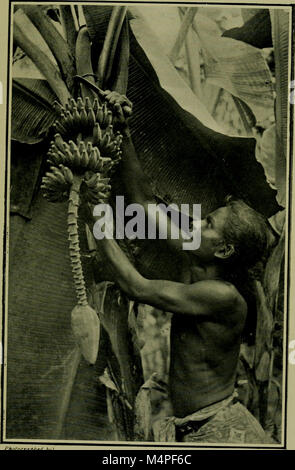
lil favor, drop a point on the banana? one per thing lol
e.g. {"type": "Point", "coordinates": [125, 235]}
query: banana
{"type": "Point", "coordinates": [59, 128]}
{"type": "Point", "coordinates": [73, 103]}
{"type": "Point", "coordinates": [84, 159]}
{"type": "Point", "coordinates": [87, 104]}
{"type": "Point", "coordinates": [76, 117]}
{"type": "Point", "coordinates": [62, 119]}
{"type": "Point", "coordinates": [107, 164]}
{"type": "Point", "coordinates": [97, 153]}
{"type": "Point", "coordinates": [110, 130]}
{"type": "Point", "coordinates": [89, 147]}
{"type": "Point", "coordinates": [96, 135]}
{"type": "Point", "coordinates": [76, 158]}
{"type": "Point", "coordinates": [92, 196]}
{"type": "Point", "coordinates": [112, 147]}
{"type": "Point", "coordinates": [57, 106]}
{"type": "Point", "coordinates": [105, 113]}
{"type": "Point", "coordinates": [103, 196]}
{"type": "Point", "coordinates": [70, 119]}
{"type": "Point", "coordinates": [109, 118]}
{"type": "Point", "coordinates": [52, 178]}
{"type": "Point", "coordinates": [67, 174]}
{"type": "Point", "coordinates": [59, 175]}
{"type": "Point", "coordinates": [103, 187]}
{"type": "Point", "coordinates": [69, 160]}
{"type": "Point", "coordinates": [61, 156]}
{"type": "Point", "coordinates": [53, 157]}
{"type": "Point", "coordinates": [95, 105]}
{"type": "Point", "coordinates": [103, 180]}
{"type": "Point", "coordinates": [83, 118]}
{"type": "Point", "coordinates": [59, 142]}
{"type": "Point", "coordinates": [79, 138]}
{"type": "Point", "coordinates": [81, 146]}
{"type": "Point", "coordinates": [73, 146]}
{"type": "Point", "coordinates": [92, 159]}
{"type": "Point", "coordinates": [91, 117]}
{"type": "Point", "coordinates": [99, 115]}
{"type": "Point", "coordinates": [91, 183]}
{"type": "Point", "coordinates": [107, 139]}
{"type": "Point", "coordinates": [66, 147]}
{"type": "Point", "coordinates": [80, 103]}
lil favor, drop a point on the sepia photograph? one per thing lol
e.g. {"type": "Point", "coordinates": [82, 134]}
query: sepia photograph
{"type": "Point", "coordinates": [146, 282]}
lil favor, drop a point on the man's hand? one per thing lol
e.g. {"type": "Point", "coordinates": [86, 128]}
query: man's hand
{"type": "Point", "coordinates": [122, 108]}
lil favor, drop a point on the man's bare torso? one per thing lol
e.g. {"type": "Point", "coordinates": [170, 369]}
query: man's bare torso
{"type": "Point", "coordinates": [204, 356]}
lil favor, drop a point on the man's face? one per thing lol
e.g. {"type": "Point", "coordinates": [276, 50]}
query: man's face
{"type": "Point", "coordinates": [212, 234]}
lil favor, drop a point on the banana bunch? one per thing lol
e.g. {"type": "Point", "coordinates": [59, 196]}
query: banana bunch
{"type": "Point", "coordinates": [66, 159]}
{"type": "Point", "coordinates": [80, 117]}
{"type": "Point", "coordinates": [79, 156]}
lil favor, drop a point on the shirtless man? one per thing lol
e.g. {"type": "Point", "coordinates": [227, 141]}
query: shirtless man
{"type": "Point", "coordinates": [209, 309]}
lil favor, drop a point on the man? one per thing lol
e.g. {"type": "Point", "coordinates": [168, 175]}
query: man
{"type": "Point", "coordinates": [208, 306]}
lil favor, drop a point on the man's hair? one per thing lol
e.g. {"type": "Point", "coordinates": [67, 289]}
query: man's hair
{"type": "Point", "coordinates": [248, 232]}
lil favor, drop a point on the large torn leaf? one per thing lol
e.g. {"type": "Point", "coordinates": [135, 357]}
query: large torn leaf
{"type": "Point", "coordinates": [238, 68]}
{"type": "Point", "coordinates": [280, 22]}
{"type": "Point", "coordinates": [167, 75]}
{"type": "Point", "coordinates": [32, 110]}
{"type": "Point", "coordinates": [255, 31]}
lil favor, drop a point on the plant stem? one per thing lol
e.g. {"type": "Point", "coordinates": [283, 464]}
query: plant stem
{"type": "Point", "coordinates": [74, 201]}
{"type": "Point", "coordinates": [110, 44]}
{"type": "Point", "coordinates": [55, 42]}
{"type": "Point", "coordinates": [69, 27]}
{"type": "Point", "coordinates": [42, 62]}
{"type": "Point", "coordinates": [83, 61]}
{"type": "Point", "coordinates": [186, 23]}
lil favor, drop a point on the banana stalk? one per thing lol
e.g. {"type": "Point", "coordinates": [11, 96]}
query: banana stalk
{"type": "Point", "coordinates": [84, 320]}
{"type": "Point", "coordinates": [73, 162]}
{"type": "Point", "coordinates": [110, 44]}
{"type": "Point", "coordinates": [83, 61]}
{"type": "Point", "coordinates": [69, 27]}
{"type": "Point", "coordinates": [40, 59]}
{"type": "Point", "coordinates": [55, 42]}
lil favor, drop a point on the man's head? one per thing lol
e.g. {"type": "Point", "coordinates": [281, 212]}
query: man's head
{"type": "Point", "coordinates": [235, 234]}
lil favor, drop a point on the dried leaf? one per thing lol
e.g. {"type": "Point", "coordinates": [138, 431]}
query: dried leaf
{"type": "Point", "coordinates": [143, 410]}
{"type": "Point", "coordinates": [108, 382]}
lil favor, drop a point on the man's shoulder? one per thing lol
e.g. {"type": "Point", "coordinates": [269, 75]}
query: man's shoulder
{"type": "Point", "coordinates": [223, 294]}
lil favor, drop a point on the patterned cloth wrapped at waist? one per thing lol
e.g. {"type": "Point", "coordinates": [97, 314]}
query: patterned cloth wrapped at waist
{"type": "Point", "coordinates": [165, 429]}
{"type": "Point", "coordinates": [227, 421]}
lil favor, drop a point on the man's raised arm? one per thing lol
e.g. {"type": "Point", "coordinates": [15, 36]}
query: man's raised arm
{"type": "Point", "coordinates": [137, 186]}
{"type": "Point", "coordinates": [203, 299]}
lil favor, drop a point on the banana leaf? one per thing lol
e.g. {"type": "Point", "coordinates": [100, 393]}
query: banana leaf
{"type": "Point", "coordinates": [280, 21]}
{"type": "Point", "coordinates": [32, 110]}
{"type": "Point", "coordinates": [238, 68]}
{"type": "Point", "coordinates": [177, 140]}
{"type": "Point", "coordinates": [256, 30]}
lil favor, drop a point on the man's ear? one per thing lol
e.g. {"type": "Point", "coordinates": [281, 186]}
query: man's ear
{"type": "Point", "coordinates": [224, 251]}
